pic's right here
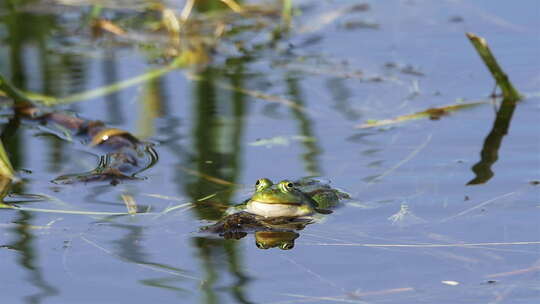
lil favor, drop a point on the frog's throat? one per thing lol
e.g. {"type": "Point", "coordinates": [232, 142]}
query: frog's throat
{"type": "Point", "coordinates": [277, 202]}
{"type": "Point", "coordinates": [278, 210]}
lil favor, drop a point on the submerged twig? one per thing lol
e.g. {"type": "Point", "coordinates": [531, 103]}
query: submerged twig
{"type": "Point", "coordinates": [431, 113]}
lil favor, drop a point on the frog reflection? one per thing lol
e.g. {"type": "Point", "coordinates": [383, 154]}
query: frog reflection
{"type": "Point", "coordinates": [283, 240]}
{"type": "Point", "coordinates": [269, 232]}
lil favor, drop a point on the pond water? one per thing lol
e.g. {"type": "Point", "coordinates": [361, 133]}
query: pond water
{"type": "Point", "coordinates": [282, 108]}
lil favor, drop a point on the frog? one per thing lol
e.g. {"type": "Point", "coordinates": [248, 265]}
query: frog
{"type": "Point", "coordinates": [275, 212]}
{"type": "Point", "coordinates": [304, 197]}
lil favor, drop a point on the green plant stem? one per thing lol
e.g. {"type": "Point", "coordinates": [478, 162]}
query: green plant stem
{"type": "Point", "coordinates": [482, 48]}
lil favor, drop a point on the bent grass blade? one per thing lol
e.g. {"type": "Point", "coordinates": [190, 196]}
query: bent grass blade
{"type": "Point", "coordinates": [483, 50]}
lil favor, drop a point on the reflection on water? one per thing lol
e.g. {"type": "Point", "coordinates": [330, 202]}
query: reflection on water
{"type": "Point", "coordinates": [130, 249]}
{"type": "Point", "coordinates": [129, 246]}
{"type": "Point", "coordinates": [218, 257]}
{"type": "Point", "coordinates": [341, 96]}
{"type": "Point", "coordinates": [217, 132]}
{"type": "Point", "coordinates": [270, 239]}
{"type": "Point", "coordinates": [269, 232]}
{"type": "Point", "coordinates": [492, 143]}
{"type": "Point", "coordinates": [110, 75]}
{"type": "Point", "coordinates": [28, 259]}
{"type": "Point", "coordinates": [305, 127]}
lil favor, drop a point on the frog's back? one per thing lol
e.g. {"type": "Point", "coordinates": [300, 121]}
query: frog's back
{"type": "Point", "coordinates": [321, 192]}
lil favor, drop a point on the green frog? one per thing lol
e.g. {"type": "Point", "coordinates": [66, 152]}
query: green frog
{"type": "Point", "coordinates": [276, 211]}
{"type": "Point", "coordinates": [292, 199]}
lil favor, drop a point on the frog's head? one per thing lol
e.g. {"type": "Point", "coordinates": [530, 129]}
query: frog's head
{"type": "Point", "coordinates": [281, 200]}
{"type": "Point", "coordinates": [283, 193]}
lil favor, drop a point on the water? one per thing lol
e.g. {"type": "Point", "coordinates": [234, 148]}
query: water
{"type": "Point", "coordinates": [414, 231]}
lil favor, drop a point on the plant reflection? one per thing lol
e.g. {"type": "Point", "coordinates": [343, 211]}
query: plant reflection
{"type": "Point", "coordinates": [28, 259]}
{"type": "Point", "coordinates": [217, 254]}
{"type": "Point", "coordinates": [217, 133]}
{"type": "Point", "coordinates": [305, 124]}
{"type": "Point", "coordinates": [492, 143]}
{"type": "Point", "coordinates": [20, 30]}
{"type": "Point", "coordinates": [110, 75]}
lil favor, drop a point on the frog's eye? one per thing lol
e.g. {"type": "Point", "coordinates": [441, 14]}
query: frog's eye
{"type": "Point", "coordinates": [261, 245]}
{"type": "Point", "coordinates": [286, 246]}
{"type": "Point", "coordinates": [286, 186]}
{"type": "Point", "coordinates": [262, 183]}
